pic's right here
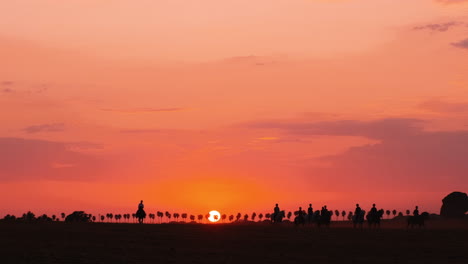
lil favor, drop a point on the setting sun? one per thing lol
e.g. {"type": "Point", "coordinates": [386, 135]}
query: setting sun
{"type": "Point", "coordinates": [214, 216]}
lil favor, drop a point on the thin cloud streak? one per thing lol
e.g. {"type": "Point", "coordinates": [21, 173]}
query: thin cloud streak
{"type": "Point", "coordinates": [144, 110]}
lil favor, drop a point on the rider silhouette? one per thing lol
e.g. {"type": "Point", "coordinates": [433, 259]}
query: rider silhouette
{"type": "Point", "coordinates": [373, 210]}
{"type": "Point", "coordinates": [324, 211]}
{"type": "Point", "coordinates": [276, 210]}
{"type": "Point", "coordinates": [300, 212]}
{"type": "Point", "coordinates": [358, 210]}
{"type": "Point", "coordinates": [141, 206]}
{"type": "Point", "coordinates": [416, 211]}
{"type": "Point", "coordinates": [310, 211]}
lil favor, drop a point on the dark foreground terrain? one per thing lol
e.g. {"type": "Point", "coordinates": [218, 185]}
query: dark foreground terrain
{"type": "Point", "coordinates": [247, 243]}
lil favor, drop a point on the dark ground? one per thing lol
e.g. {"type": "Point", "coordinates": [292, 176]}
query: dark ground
{"type": "Point", "coordinates": [241, 243]}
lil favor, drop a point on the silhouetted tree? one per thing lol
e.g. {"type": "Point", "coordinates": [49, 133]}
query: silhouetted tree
{"type": "Point", "coordinates": [168, 216]}
{"type": "Point", "coordinates": [9, 218]}
{"type": "Point", "coordinates": [394, 212]}
{"type": "Point", "coordinates": [408, 212]}
{"type": "Point", "coordinates": [184, 216]}
{"type": "Point", "coordinates": [289, 215]}
{"type": "Point", "coordinates": [246, 217]}
{"type": "Point", "coordinates": [254, 215]}
{"type": "Point", "coordinates": [267, 215]}
{"type": "Point", "coordinates": [231, 218]}
{"type": "Point", "coordinates": [94, 218]}
{"type": "Point", "coordinates": [337, 213]}
{"type": "Point", "coordinates": [102, 218]}
{"type": "Point", "coordinates": [176, 216]}
{"type": "Point", "coordinates": [152, 217]}
{"type": "Point", "coordinates": [77, 216]}
{"type": "Point", "coordinates": [54, 217]}
{"type": "Point", "coordinates": [387, 213]}
{"type": "Point", "coordinates": [207, 216]}
{"type": "Point", "coordinates": [238, 216]}
{"type": "Point", "coordinates": [160, 215]}
{"type": "Point", "coordinates": [200, 218]}
{"type": "Point", "coordinates": [134, 217]}
{"type": "Point", "coordinates": [343, 214]}
{"type": "Point", "coordinates": [260, 216]}
{"type": "Point", "coordinates": [223, 217]}
{"type": "Point", "coordinates": [63, 216]}
{"type": "Point", "coordinates": [192, 218]}
{"type": "Point", "coordinates": [350, 216]}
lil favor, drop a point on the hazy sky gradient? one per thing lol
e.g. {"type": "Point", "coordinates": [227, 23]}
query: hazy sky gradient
{"type": "Point", "coordinates": [232, 105]}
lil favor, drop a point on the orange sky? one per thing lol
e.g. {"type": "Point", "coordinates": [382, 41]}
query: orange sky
{"type": "Point", "coordinates": [232, 105]}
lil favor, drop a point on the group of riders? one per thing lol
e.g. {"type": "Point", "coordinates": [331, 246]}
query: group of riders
{"type": "Point", "coordinates": [323, 216]}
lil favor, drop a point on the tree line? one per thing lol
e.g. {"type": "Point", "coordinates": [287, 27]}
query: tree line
{"type": "Point", "coordinates": [167, 217]}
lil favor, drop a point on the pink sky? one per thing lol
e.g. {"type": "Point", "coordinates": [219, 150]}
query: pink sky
{"type": "Point", "coordinates": [232, 105]}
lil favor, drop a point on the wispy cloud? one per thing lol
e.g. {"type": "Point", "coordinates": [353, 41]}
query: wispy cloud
{"type": "Point", "coordinates": [143, 110]}
{"type": "Point", "coordinates": [463, 44]}
{"type": "Point", "coordinates": [441, 106]}
{"type": "Point", "coordinates": [6, 83]}
{"type": "Point", "coordinates": [55, 127]}
{"type": "Point", "coordinates": [440, 27]}
{"type": "Point", "coordinates": [447, 2]}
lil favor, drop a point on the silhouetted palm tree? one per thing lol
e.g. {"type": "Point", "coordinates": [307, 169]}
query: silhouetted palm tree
{"type": "Point", "coordinates": [102, 218]}
{"type": "Point", "coordinates": [152, 217]}
{"type": "Point", "coordinates": [350, 216]}
{"type": "Point", "coordinates": [192, 218]}
{"type": "Point", "coordinates": [337, 213]}
{"type": "Point", "coordinates": [63, 216]}
{"type": "Point", "coordinates": [260, 216]}
{"type": "Point", "coordinates": [134, 217]}
{"type": "Point", "coordinates": [160, 215]}
{"type": "Point", "coordinates": [408, 212]}
{"type": "Point", "coordinates": [387, 213]}
{"type": "Point", "coordinates": [394, 212]}
{"type": "Point", "coordinates": [94, 218]}
{"type": "Point", "coordinates": [343, 214]}
{"type": "Point", "coordinates": [168, 216]}
{"type": "Point", "coordinates": [176, 216]}
{"type": "Point", "coordinates": [246, 217]}
{"type": "Point", "coordinates": [238, 216]}
{"type": "Point", "coordinates": [184, 216]}
{"type": "Point", "coordinates": [54, 217]}
{"type": "Point", "coordinates": [253, 216]}
{"type": "Point", "coordinates": [231, 218]}
{"type": "Point", "coordinates": [267, 215]}
{"type": "Point", "coordinates": [207, 216]}
{"type": "Point", "coordinates": [223, 217]}
{"type": "Point", "coordinates": [200, 218]}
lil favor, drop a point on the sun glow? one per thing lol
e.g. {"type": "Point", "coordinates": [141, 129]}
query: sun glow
{"type": "Point", "coordinates": [214, 216]}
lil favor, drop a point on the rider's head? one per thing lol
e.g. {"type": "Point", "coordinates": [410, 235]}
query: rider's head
{"type": "Point", "coordinates": [300, 208]}
{"type": "Point", "coordinates": [373, 205]}
{"type": "Point", "coordinates": [141, 201]}
{"type": "Point", "coordinates": [357, 205]}
{"type": "Point", "coordinates": [276, 205]}
{"type": "Point", "coordinates": [416, 207]}
{"type": "Point", "coordinates": [310, 205]}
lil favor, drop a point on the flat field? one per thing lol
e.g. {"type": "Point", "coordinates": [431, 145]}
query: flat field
{"type": "Point", "coordinates": [230, 243]}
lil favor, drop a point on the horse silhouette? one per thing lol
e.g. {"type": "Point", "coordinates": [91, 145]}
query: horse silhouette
{"type": "Point", "coordinates": [141, 215]}
{"type": "Point", "coordinates": [373, 218]}
{"type": "Point", "coordinates": [359, 219]}
{"type": "Point", "coordinates": [278, 217]}
{"type": "Point", "coordinates": [418, 220]}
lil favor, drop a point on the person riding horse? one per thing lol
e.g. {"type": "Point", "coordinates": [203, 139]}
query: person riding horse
{"type": "Point", "coordinates": [358, 217]}
{"type": "Point", "coordinates": [141, 214]}
{"type": "Point", "coordinates": [300, 217]}
{"type": "Point", "coordinates": [310, 214]}
{"type": "Point", "coordinates": [373, 217]}
{"type": "Point", "coordinates": [276, 212]}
